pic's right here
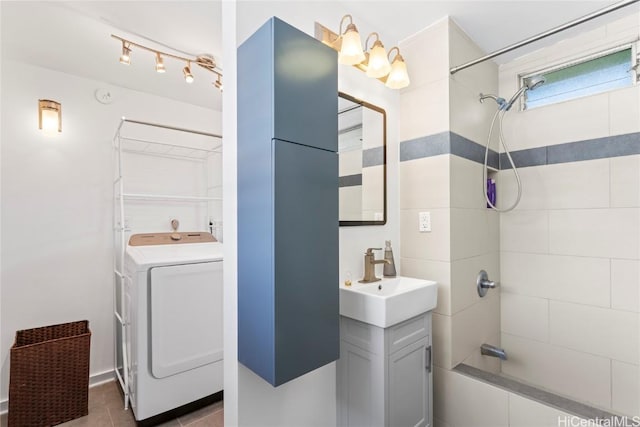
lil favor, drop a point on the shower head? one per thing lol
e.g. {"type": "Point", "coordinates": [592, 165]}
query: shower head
{"type": "Point", "coordinates": [530, 83]}
{"type": "Point", "coordinates": [534, 81]}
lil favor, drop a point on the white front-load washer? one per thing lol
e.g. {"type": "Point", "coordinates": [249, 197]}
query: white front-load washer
{"type": "Point", "coordinates": [173, 299]}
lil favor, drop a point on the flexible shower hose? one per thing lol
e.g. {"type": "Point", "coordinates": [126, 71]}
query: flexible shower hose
{"type": "Point", "coordinates": [499, 115]}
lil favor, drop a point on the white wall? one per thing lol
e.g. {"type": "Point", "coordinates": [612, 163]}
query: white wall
{"type": "Point", "coordinates": [569, 252]}
{"type": "Point", "coordinates": [311, 399]}
{"type": "Point", "coordinates": [57, 202]}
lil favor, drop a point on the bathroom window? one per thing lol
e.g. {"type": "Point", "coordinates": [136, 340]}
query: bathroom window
{"type": "Point", "coordinates": [588, 76]}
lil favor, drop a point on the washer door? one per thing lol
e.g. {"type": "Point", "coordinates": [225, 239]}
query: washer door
{"type": "Point", "coordinates": [186, 317]}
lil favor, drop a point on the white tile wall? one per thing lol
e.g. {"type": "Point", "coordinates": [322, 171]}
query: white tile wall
{"type": "Point", "coordinates": [625, 384]}
{"type": "Point", "coordinates": [433, 245]}
{"type": "Point", "coordinates": [624, 110]}
{"type": "Point", "coordinates": [486, 363]}
{"type": "Point", "coordinates": [564, 278]}
{"type": "Point", "coordinates": [601, 331]}
{"type": "Point", "coordinates": [574, 185]}
{"type": "Point", "coordinates": [424, 183]}
{"type": "Point", "coordinates": [595, 232]}
{"type": "Point", "coordinates": [557, 123]}
{"type": "Point", "coordinates": [462, 401]}
{"type": "Point", "coordinates": [438, 271]}
{"type": "Point", "coordinates": [525, 316]}
{"type": "Point", "coordinates": [466, 184]}
{"type": "Point", "coordinates": [442, 336]}
{"type": "Point", "coordinates": [464, 273]}
{"type": "Point", "coordinates": [471, 233]}
{"type": "Point", "coordinates": [525, 412]}
{"type": "Point", "coordinates": [577, 374]}
{"type": "Point", "coordinates": [625, 181]}
{"type": "Point", "coordinates": [474, 326]}
{"type": "Point", "coordinates": [427, 65]}
{"type": "Point", "coordinates": [625, 280]}
{"type": "Point", "coordinates": [456, 401]}
{"type": "Point", "coordinates": [468, 117]}
{"type": "Point", "coordinates": [424, 110]}
{"type": "Point", "coordinates": [525, 231]}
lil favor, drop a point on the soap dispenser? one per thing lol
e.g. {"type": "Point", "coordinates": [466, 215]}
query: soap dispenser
{"type": "Point", "coordinates": [389, 267]}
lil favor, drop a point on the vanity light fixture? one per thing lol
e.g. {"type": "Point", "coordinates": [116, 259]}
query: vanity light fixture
{"type": "Point", "coordinates": [49, 116]}
{"type": "Point", "coordinates": [204, 61]}
{"type": "Point", "coordinates": [377, 62]}
{"type": "Point", "coordinates": [351, 49]}
{"type": "Point", "coordinates": [125, 58]}
{"type": "Point", "coordinates": [398, 76]}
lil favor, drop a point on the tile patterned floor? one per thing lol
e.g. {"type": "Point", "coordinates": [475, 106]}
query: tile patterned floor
{"type": "Point", "coordinates": [106, 410]}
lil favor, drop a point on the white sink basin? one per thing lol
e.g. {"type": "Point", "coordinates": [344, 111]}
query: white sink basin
{"type": "Point", "coordinates": [389, 301]}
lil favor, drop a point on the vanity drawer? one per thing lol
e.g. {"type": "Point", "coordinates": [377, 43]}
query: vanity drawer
{"type": "Point", "coordinates": [408, 332]}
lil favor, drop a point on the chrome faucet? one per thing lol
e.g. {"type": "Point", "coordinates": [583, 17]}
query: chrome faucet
{"type": "Point", "coordinates": [370, 263]}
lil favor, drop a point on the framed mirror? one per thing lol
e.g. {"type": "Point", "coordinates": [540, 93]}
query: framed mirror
{"type": "Point", "coordinates": [362, 162]}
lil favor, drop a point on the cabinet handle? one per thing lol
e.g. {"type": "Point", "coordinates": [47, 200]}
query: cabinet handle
{"type": "Point", "coordinates": [427, 358]}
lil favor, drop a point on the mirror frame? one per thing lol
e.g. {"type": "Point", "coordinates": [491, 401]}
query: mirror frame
{"type": "Point", "coordinates": [384, 162]}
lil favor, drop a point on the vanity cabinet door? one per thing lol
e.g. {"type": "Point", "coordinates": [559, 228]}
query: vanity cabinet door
{"type": "Point", "coordinates": [409, 386]}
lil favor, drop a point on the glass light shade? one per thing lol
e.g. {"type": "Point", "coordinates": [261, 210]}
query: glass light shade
{"type": "Point", "coordinates": [125, 59]}
{"type": "Point", "coordinates": [50, 123]}
{"type": "Point", "coordinates": [398, 76]}
{"type": "Point", "coordinates": [351, 51]}
{"type": "Point", "coordinates": [378, 63]}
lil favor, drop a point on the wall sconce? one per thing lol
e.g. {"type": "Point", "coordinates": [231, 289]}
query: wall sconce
{"type": "Point", "coordinates": [398, 76]}
{"type": "Point", "coordinates": [49, 116]}
{"type": "Point", "coordinates": [205, 61]}
{"type": "Point", "coordinates": [375, 62]}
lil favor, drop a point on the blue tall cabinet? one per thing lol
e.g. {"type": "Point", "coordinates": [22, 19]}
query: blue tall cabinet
{"type": "Point", "coordinates": [288, 318]}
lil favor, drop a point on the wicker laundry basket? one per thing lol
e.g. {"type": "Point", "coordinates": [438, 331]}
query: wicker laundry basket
{"type": "Point", "coordinates": [49, 375]}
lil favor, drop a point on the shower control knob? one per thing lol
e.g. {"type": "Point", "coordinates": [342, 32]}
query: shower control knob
{"type": "Point", "coordinates": [483, 283]}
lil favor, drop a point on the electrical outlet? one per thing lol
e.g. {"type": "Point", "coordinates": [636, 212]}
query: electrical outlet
{"type": "Point", "coordinates": [424, 222]}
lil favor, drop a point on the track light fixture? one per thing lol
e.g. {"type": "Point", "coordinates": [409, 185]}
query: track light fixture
{"type": "Point", "coordinates": [204, 61]}
{"type": "Point", "coordinates": [375, 62]}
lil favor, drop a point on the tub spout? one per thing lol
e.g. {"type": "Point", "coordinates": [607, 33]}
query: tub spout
{"type": "Point", "coordinates": [493, 351]}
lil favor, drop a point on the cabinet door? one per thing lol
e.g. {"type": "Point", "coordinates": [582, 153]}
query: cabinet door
{"type": "Point", "coordinates": [360, 376]}
{"type": "Point", "coordinates": [409, 386]}
{"type": "Point", "coordinates": [306, 300]}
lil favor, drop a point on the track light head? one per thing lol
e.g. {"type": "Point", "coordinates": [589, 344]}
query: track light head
{"type": "Point", "coordinates": [125, 58]}
{"type": "Point", "coordinates": [159, 64]}
{"type": "Point", "coordinates": [188, 77]}
{"type": "Point", "coordinates": [218, 83]}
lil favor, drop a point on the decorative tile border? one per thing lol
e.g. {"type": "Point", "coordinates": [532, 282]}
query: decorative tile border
{"type": "Point", "coordinates": [350, 180]}
{"type": "Point", "coordinates": [452, 143]}
{"type": "Point", "coordinates": [445, 143]}
{"type": "Point", "coordinates": [373, 157]}
{"type": "Point", "coordinates": [542, 396]}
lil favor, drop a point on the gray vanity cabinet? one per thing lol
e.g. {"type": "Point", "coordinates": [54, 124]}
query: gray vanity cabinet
{"type": "Point", "coordinates": [288, 319]}
{"type": "Point", "coordinates": [384, 375]}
